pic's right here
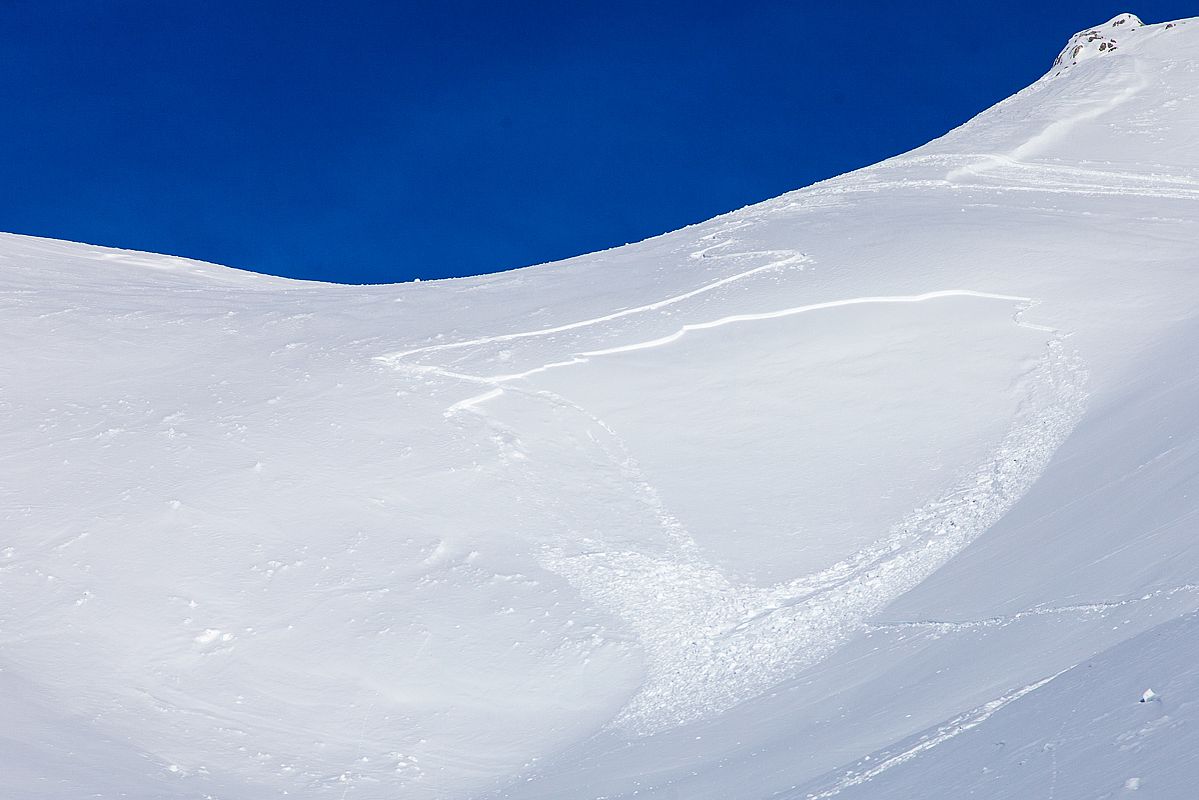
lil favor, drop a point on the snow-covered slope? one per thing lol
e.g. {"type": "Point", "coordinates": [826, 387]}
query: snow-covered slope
{"type": "Point", "coordinates": [887, 487]}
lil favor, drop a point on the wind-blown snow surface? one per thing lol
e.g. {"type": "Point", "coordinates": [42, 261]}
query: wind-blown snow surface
{"type": "Point", "coordinates": [887, 488]}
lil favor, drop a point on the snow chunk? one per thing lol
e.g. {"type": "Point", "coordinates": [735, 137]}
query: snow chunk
{"type": "Point", "coordinates": [211, 635]}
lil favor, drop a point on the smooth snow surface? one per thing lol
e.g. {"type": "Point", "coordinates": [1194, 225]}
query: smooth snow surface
{"type": "Point", "coordinates": [885, 488]}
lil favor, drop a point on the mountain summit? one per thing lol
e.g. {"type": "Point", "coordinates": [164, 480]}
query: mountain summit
{"type": "Point", "coordinates": [1100, 40]}
{"type": "Point", "coordinates": [884, 488]}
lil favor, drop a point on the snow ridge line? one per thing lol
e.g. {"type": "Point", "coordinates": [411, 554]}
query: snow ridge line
{"type": "Point", "coordinates": [954, 727]}
{"type": "Point", "coordinates": [1007, 619]}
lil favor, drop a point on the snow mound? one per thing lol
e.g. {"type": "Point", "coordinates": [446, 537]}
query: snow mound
{"type": "Point", "coordinates": [1100, 40]}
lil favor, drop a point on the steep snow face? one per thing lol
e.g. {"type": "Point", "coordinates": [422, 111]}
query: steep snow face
{"type": "Point", "coordinates": [886, 486]}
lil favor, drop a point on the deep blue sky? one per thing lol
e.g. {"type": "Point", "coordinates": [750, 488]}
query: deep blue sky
{"type": "Point", "coordinates": [380, 141]}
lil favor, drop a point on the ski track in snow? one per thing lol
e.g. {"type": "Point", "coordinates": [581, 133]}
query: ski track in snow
{"type": "Point", "coordinates": [788, 312]}
{"type": "Point", "coordinates": [710, 644]}
{"type": "Point", "coordinates": [954, 727]}
{"type": "Point", "coordinates": [1003, 620]}
{"type": "Point", "coordinates": [786, 258]}
{"type": "Point", "coordinates": [1053, 133]}
{"type": "Point", "coordinates": [1018, 176]}
{"type": "Point", "coordinates": [496, 381]}
{"type": "Point", "coordinates": [1016, 167]}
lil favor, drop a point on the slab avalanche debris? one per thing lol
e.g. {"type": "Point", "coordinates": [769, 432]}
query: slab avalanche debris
{"type": "Point", "coordinates": [887, 487]}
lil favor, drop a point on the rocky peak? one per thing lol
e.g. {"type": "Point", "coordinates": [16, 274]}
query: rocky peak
{"type": "Point", "coordinates": [1100, 40]}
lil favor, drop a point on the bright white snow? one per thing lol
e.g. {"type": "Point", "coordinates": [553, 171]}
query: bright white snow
{"type": "Point", "coordinates": [887, 487]}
